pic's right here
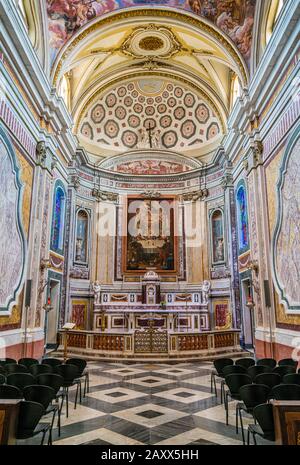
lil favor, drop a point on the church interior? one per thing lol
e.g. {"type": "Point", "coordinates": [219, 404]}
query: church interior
{"type": "Point", "coordinates": [149, 222]}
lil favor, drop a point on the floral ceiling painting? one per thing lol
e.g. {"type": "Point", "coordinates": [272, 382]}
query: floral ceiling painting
{"type": "Point", "coordinates": [234, 17]}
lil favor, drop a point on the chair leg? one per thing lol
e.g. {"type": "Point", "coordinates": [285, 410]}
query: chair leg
{"type": "Point", "coordinates": [254, 438]}
{"type": "Point", "coordinates": [50, 437]}
{"type": "Point", "coordinates": [80, 392]}
{"type": "Point", "coordinates": [88, 382]}
{"type": "Point", "coordinates": [248, 437]}
{"type": "Point", "coordinates": [43, 438]}
{"type": "Point", "coordinates": [76, 396]}
{"type": "Point", "coordinates": [242, 426]}
{"type": "Point", "coordinates": [211, 382]}
{"type": "Point", "coordinates": [226, 407]}
{"type": "Point", "coordinates": [236, 419]}
{"type": "Point", "coordinates": [51, 427]}
{"type": "Point", "coordinates": [67, 402]}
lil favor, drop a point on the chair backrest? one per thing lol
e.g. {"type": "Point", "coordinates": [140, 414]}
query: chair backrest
{"type": "Point", "coordinates": [269, 362]}
{"type": "Point", "coordinates": [29, 416]}
{"type": "Point", "coordinates": [68, 372]}
{"type": "Point", "coordinates": [263, 414]}
{"type": "Point", "coordinates": [291, 378]}
{"type": "Point", "coordinates": [284, 370]}
{"type": "Point", "coordinates": [288, 361]}
{"type": "Point", "coordinates": [39, 393]}
{"type": "Point", "coordinates": [229, 369]}
{"type": "Point", "coordinates": [2, 370]}
{"type": "Point", "coordinates": [10, 392]}
{"type": "Point", "coordinates": [27, 362]}
{"type": "Point", "coordinates": [5, 361]}
{"type": "Point", "coordinates": [15, 368]}
{"type": "Point", "coordinates": [53, 380]}
{"type": "Point", "coordinates": [2, 379]}
{"type": "Point", "coordinates": [79, 362]}
{"type": "Point", "coordinates": [236, 381]}
{"type": "Point", "coordinates": [258, 370]}
{"type": "Point", "coordinates": [220, 363]}
{"type": "Point", "coordinates": [268, 379]}
{"type": "Point", "coordinates": [53, 362]}
{"type": "Point", "coordinates": [254, 394]}
{"type": "Point", "coordinates": [20, 380]}
{"type": "Point", "coordinates": [36, 370]}
{"type": "Point", "coordinates": [245, 362]}
{"type": "Point", "coordinates": [286, 392]}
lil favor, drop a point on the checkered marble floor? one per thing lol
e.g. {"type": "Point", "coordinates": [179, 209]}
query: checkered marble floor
{"type": "Point", "coordinates": [147, 404]}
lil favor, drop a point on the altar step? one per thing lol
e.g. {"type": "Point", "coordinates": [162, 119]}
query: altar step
{"type": "Point", "coordinates": [150, 357]}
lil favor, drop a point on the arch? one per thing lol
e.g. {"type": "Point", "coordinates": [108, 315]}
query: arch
{"type": "Point", "coordinates": [58, 218]}
{"type": "Point", "coordinates": [285, 241]}
{"type": "Point", "coordinates": [197, 23]}
{"type": "Point", "coordinates": [242, 217]}
{"type": "Point", "coordinates": [82, 236]}
{"type": "Point", "coordinates": [12, 238]}
{"type": "Point", "coordinates": [217, 236]}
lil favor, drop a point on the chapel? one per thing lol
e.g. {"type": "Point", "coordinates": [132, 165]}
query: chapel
{"type": "Point", "coordinates": [149, 214]}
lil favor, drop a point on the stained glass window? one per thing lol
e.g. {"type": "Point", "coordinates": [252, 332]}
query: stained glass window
{"type": "Point", "coordinates": [58, 220]}
{"type": "Point", "coordinates": [242, 218]}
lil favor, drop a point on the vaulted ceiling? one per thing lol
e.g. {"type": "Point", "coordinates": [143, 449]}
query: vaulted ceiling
{"type": "Point", "coordinates": [195, 48]}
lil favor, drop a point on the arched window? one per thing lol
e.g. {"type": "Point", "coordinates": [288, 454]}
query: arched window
{"type": "Point", "coordinates": [81, 244]}
{"type": "Point", "coordinates": [58, 221]}
{"type": "Point", "coordinates": [274, 11]}
{"type": "Point", "coordinates": [235, 89]}
{"type": "Point", "coordinates": [242, 218]}
{"type": "Point", "coordinates": [217, 230]}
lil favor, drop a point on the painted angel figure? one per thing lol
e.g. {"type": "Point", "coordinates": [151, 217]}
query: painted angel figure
{"type": "Point", "coordinates": [97, 289]}
{"type": "Point", "coordinates": [205, 291]}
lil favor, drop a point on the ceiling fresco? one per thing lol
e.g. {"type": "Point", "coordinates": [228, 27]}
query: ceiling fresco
{"type": "Point", "coordinates": [233, 17]}
{"type": "Point", "coordinates": [180, 119]}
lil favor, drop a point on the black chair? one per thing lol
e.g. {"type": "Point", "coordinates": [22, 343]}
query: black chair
{"type": "Point", "coordinates": [28, 422]}
{"type": "Point", "coordinates": [229, 370]}
{"type": "Point", "coordinates": [10, 392]}
{"type": "Point", "coordinates": [37, 370]}
{"type": "Point", "coordinates": [27, 361]}
{"type": "Point", "coordinates": [263, 415]}
{"type": "Point", "coordinates": [2, 379]}
{"type": "Point", "coordinates": [219, 364]}
{"type": "Point", "coordinates": [269, 362]}
{"type": "Point", "coordinates": [288, 361]}
{"type": "Point", "coordinates": [268, 379]}
{"type": "Point", "coordinates": [234, 382]}
{"type": "Point", "coordinates": [43, 395]}
{"type": "Point", "coordinates": [20, 380]}
{"type": "Point", "coordinates": [258, 370]}
{"type": "Point", "coordinates": [70, 376]}
{"type": "Point", "coordinates": [286, 392]}
{"type": "Point", "coordinates": [53, 362]}
{"type": "Point", "coordinates": [2, 370]}
{"type": "Point", "coordinates": [5, 361]}
{"type": "Point", "coordinates": [81, 365]}
{"type": "Point", "coordinates": [284, 370]}
{"type": "Point", "coordinates": [251, 396]}
{"type": "Point", "coordinates": [55, 382]}
{"type": "Point", "coordinates": [291, 378]}
{"type": "Point", "coordinates": [11, 368]}
{"type": "Point", "coordinates": [245, 362]}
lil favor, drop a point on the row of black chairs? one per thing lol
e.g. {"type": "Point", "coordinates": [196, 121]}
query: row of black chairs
{"type": "Point", "coordinates": [48, 365]}
{"type": "Point", "coordinates": [248, 394]}
{"type": "Point", "coordinates": [251, 367]}
{"type": "Point", "coordinates": [39, 385]}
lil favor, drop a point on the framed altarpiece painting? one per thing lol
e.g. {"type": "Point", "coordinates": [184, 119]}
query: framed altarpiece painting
{"type": "Point", "coordinates": [150, 235]}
